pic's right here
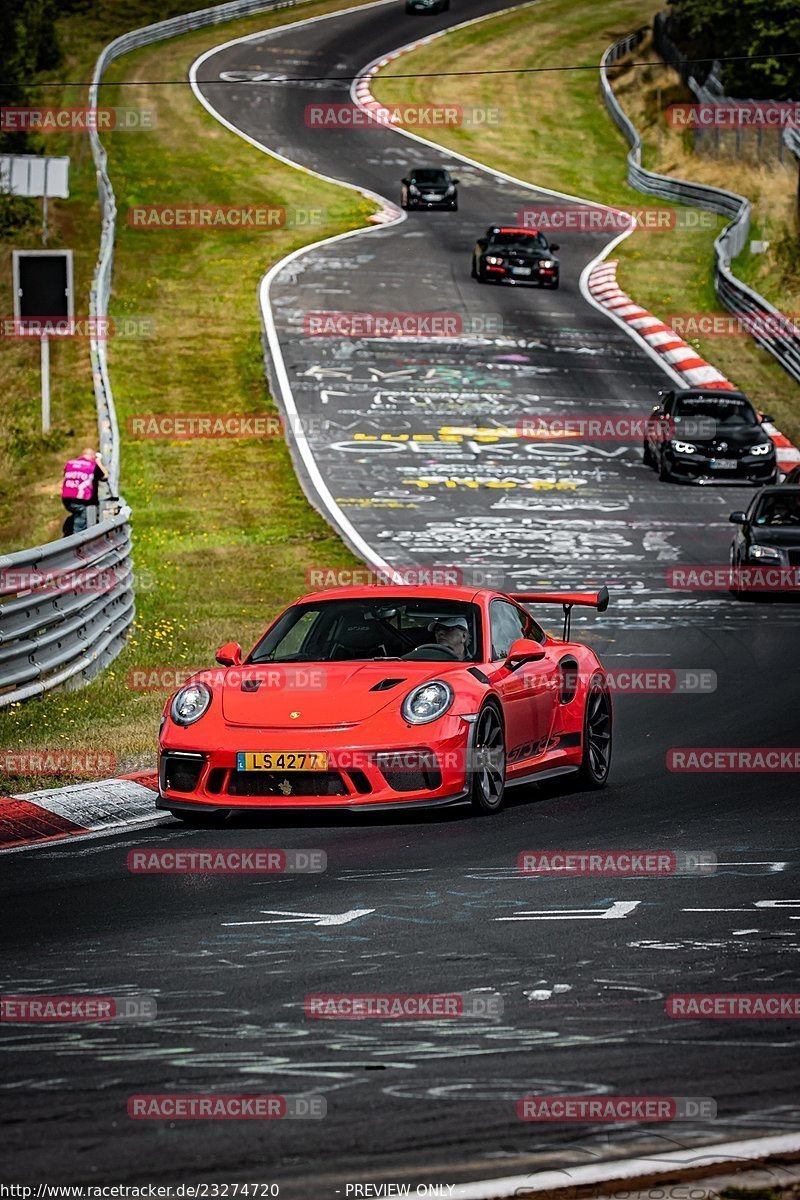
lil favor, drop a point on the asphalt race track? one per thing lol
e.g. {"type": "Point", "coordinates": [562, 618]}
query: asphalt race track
{"type": "Point", "coordinates": [433, 902]}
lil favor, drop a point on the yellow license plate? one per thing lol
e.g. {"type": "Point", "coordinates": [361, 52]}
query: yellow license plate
{"type": "Point", "coordinates": [282, 760]}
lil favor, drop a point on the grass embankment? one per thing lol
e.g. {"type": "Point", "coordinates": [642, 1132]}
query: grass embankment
{"type": "Point", "coordinates": [556, 133]}
{"type": "Point", "coordinates": [223, 533]}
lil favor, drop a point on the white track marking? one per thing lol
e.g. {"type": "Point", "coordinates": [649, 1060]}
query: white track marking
{"type": "Point", "coordinates": [669, 1163]}
{"type": "Point", "coordinates": [619, 909]}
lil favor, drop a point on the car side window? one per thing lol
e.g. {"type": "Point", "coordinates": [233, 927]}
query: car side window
{"type": "Point", "coordinates": [507, 623]}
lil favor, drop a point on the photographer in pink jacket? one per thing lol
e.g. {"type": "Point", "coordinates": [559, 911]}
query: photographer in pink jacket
{"type": "Point", "coordinates": [79, 490]}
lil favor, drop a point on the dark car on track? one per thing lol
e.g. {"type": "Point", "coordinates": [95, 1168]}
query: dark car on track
{"type": "Point", "coordinates": [768, 534]}
{"type": "Point", "coordinates": [427, 6]}
{"type": "Point", "coordinates": [709, 436]}
{"type": "Point", "coordinates": [430, 187]}
{"type": "Point", "coordinates": [506, 254]}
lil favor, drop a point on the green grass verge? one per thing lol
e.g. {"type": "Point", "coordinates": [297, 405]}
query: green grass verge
{"type": "Point", "coordinates": [223, 533]}
{"type": "Point", "coordinates": [556, 133]}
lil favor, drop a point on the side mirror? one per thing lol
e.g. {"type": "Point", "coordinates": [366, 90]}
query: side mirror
{"type": "Point", "coordinates": [229, 655]}
{"type": "Point", "coordinates": [554, 246]}
{"type": "Point", "coordinates": [405, 181]}
{"type": "Point", "coordinates": [483, 243]}
{"type": "Point", "coordinates": [766, 417]}
{"type": "Point", "coordinates": [524, 650]}
{"type": "Point", "coordinates": [455, 181]}
{"type": "Point", "coordinates": [738, 518]}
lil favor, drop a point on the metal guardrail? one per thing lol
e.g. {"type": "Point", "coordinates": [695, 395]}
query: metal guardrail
{"type": "Point", "coordinates": [774, 332]}
{"type": "Point", "coordinates": [64, 609]}
{"type": "Point", "coordinates": [101, 283]}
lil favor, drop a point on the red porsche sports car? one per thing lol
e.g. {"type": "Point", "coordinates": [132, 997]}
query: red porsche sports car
{"type": "Point", "coordinates": [388, 698]}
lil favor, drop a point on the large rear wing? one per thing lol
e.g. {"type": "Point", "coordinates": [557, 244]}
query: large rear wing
{"type": "Point", "coordinates": [567, 600]}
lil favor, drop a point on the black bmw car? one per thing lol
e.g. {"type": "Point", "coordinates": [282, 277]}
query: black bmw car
{"type": "Point", "coordinates": [709, 436]}
{"type": "Point", "coordinates": [768, 534]}
{"type": "Point", "coordinates": [509, 255]}
{"type": "Point", "coordinates": [430, 187]}
{"type": "Point", "coordinates": [427, 6]}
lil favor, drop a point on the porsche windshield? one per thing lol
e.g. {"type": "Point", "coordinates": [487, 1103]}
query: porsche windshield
{"type": "Point", "coordinates": [373, 629]}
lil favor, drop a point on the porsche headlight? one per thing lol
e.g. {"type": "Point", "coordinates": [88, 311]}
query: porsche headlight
{"type": "Point", "coordinates": [683, 447]}
{"type": "Point", "coordinates": [493, 260]}
{"type": "Point", "coordinates": [764, 448]}
{"type": "Point", "coordinates": [190, 703]}
{"type": "Point", "coordinates": [413, 190]}
{"type": "Point", "coordinates": [427, 702]}
{"type": "Point", "coordinates": [760, 552]}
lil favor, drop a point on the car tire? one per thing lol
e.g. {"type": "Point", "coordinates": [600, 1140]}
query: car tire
{"type": "Point", "coordinates": [598, 729]}
{"type": "Point", "coordinates": [738, 593]}
{"type": "Point", "coordinates": [664, 473]}
{"type": "Point", "coordinates": [553, 286]}
{"type": "Point", "coordinates": [647, 456]}
{"type": "Point", "coordinates": [454, 206]}
{"type": "Point", "coordinates": [200, 820]}
{"type": "Point", "coordinates": [488, 781]}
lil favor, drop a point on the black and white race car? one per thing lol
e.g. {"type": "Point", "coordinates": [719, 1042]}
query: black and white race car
{"type": "Point", "coordinates": [506, 254]}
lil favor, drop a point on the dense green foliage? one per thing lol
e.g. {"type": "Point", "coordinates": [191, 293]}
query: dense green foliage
{"type": "Point", "coordinates": [28, 44]}
{"type": "Point", "coordinates": [709, 29]}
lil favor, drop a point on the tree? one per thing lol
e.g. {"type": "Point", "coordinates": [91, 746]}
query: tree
{"type": "Point", "coordinates": [29, 44]}
{"type": "Point", "coordinates": [758, 29]}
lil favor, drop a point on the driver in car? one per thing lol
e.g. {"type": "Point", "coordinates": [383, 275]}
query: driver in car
{"type": "Point", "coordinates": [452, 633]}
